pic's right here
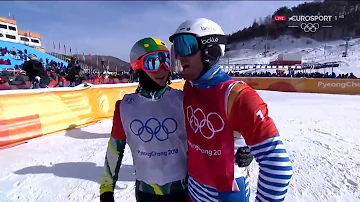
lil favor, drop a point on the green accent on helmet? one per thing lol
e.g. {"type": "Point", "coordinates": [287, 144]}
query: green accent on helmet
{"type": "Point", "coordinates": [146, 45]}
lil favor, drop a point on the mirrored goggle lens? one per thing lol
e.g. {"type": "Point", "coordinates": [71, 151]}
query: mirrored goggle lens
{"type": "Point", "coordinates": [153, 61]}
{"type": "Point", "coordinates": [185, 45]}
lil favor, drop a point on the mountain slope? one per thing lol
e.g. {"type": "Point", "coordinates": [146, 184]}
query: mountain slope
{"type": "Point", "coordinates": [252, 52]}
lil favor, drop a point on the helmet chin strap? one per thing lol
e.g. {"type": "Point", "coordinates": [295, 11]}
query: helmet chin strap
{"type": "Point", "coordinates": [209, 57]}
{"type": "Point", "coordinates": [146, 83]}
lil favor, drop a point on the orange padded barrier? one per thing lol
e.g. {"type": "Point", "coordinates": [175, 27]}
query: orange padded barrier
{"type": "Point", "coordinates": [19, 129]}
{"type": "Point", "coordinates": [32, 113]}
{"type": "Point", "coordinates": [305, 85]}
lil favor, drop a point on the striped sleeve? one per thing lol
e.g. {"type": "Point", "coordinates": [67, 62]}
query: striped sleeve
{"type": "Point", "coordinates": [275, 169]}
{"type": "Point", "coordinates": [249, 117]}
{"type": "Point", "coordinates": [114, 154]}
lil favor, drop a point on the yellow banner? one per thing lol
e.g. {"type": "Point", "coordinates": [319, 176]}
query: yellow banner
{"type": "Point", "coordinates": [33, 113]}
{"type": "Point", "coordinates": [275, 84]}
{"type": "Point", "coordinates": [335, 86]}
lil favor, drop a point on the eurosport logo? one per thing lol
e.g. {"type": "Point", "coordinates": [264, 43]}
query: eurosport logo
{"type": "Point", "coordinates": [210, 40]}
{"type": "Point", "coordinates": [153, 128]}
{"type": "Point", "coordinates": [311, 23]}
{"type": "Point", "coordinates": [311, 18]}
{"type": "Point", "coordinates": [309, 27]}
{"type": "Point", "coordinates": [208, 125]}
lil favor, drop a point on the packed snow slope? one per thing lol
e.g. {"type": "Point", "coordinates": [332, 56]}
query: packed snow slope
{"type": "Point", "coordinates": [321, 134]}
{"type": "Point", "coordinates": [252, 52]}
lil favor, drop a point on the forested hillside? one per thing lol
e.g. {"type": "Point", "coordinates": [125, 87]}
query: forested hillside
{"type": "Point", "coordinates": [348, 26]}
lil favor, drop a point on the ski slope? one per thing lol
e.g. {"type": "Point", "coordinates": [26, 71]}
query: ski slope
{"type": "Point", "coordinates": [251, 52]}
{"type": "Point", "coordinates": [321, 134]}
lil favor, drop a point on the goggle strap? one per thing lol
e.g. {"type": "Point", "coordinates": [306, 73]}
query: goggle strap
{"type": "Point", "coordinates": [136, 64]}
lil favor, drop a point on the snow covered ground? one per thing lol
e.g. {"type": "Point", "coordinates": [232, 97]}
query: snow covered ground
{"type": "Point", "coordinates": [251, 52]}
{"type": "Point", "coordinates": [321, 134]}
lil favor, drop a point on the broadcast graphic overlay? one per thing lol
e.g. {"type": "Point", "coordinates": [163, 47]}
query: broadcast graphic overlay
{"type": "Point", "coordinates": [308, 23]}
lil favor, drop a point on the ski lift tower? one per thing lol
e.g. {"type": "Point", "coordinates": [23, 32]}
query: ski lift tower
{"type": "Point", "coordinates": [346, 39]}
{"type": "Point", "coordinates": [227, 49]}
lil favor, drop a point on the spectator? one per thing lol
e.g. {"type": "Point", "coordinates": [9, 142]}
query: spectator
{"type": "Point", "coordinates": [4, 51]}
{"type": "Point", "coordinates": [3, 62]}
{"type": "Point", "coordinates": [294, 74]}
{"type": "Point", "coordinates": [34, 69]}
{"type": "Point", "coordinates": [73, 73]}
{"type": "Point", "coordinates": [61, 81]}
{"type": "Point", "coordinates": [25, 55]}
{"type": "Point", "coordinates": [352, 76]}
{"type": "Point", "coordinates": [13, 51]}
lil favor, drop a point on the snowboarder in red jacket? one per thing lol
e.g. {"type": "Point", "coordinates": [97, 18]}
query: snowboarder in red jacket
{"type": "Point", "coordinates": [222, 117]}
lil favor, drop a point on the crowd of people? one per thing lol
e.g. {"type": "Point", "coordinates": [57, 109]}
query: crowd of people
{"type": "Point", "coordinates": [294, 74]}
{"type": "Point", "coordinates": [41, 72]}
{"type": "Point", "coordinates": [73, 73]}
{"type": "Point", "coordinates": [5, 62]}
{"type": "Point", "coordinates": [24, 56]}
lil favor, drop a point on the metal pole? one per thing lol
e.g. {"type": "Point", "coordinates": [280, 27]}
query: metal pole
{"type": "Point", "coordinates": [346, 47]}
{"type": "Point", "coordinates": [325, 48]}
{"type": "Point", "coordinates": [266, 39]}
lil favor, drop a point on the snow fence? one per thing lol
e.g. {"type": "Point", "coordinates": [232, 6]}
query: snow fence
{"type": "Point", "coordinates": [26, 114]}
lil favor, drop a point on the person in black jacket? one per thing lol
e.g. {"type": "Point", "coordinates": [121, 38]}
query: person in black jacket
{"type": "Point", "coordinates": [36, 73]}
{"type": "Point", "coordinates": [73, 73]}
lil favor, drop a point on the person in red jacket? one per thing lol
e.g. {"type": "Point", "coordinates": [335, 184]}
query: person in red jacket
{"type": "Point", "coordinates": [222, 117]}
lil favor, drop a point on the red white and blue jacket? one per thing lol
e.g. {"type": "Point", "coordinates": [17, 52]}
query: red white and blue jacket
{"type": "Point", "coordinates": [219, 112]}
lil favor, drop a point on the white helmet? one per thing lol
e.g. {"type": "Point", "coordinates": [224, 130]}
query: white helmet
{"type": "Point", "coordinates": [207, 31]}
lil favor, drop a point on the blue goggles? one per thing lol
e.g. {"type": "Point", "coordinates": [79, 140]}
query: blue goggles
{"type": "Point", "coordinates": [188, 45]}
{"type": "Point", "coordinates": [185, 45]}
{"type": "Point", "coordinates": [152, 62]}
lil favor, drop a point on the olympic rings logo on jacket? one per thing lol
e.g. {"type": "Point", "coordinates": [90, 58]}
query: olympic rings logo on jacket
{"type": "Point", "coordinates": [153, 128]}
{"type": "Point", "coordinates": [197, 123]}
